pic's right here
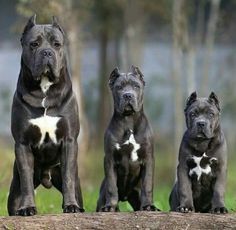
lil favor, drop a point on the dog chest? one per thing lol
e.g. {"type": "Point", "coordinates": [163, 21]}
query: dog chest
{"type": "Point", "coordinates": [202, 165]}
{"type": "Point", "coordinates": [47, 126]}
{"type": "Point", "coordinates": [129, 147]}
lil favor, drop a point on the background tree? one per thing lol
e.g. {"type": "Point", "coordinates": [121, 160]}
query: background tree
{"type": "Point", "coordinates": [209, 42]}
{"type": "Point", "coordinates": [178, 20]}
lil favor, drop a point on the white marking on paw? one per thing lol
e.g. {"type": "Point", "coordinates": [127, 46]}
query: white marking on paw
{"type": "Point", "coordinates": [46, 124]}
{"type": "Point", "coordinates": [198, 170]}
{"type": "Point", "coordinates": [45, 84]}
{"type": "Point", "coordinates": [136, 146]}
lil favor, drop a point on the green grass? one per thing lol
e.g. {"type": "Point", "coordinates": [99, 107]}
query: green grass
{"type": "Point", "coordinates": [49, 201]}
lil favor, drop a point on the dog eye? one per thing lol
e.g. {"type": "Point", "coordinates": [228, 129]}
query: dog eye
{"type": "Point", "coordinates": [192, 115]}
{"type": "Point", "coordinates": [119, 87]}
{"type": "Point", "coordinates": [34, 44]}
{"type": "Point", "coordinates": [137, 87]}
{"type": "Point", "coordinates": [211, 115]}
{"type": "Point", "coordinates": [57, 44]}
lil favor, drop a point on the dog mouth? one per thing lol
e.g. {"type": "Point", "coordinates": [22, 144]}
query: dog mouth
{"type": "Point", "coordinates": [128, 109]}
{"type": "Point", "coordinates": [46, 71]}
{"type": "Point", "coordinates": [201, 135]}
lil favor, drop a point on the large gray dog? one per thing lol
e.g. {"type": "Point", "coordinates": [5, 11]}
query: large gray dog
{"type": "Point", "coordinates": [201, 172]}
{"type": "Point", "coordinates": [45, 122]}
{"type": "Point", "coordinates": [129, 160]}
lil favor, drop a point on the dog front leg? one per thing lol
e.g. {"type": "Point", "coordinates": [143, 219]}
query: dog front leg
{"type": "Point", "coordinates": [218, 205]}
{"type": "Point", "coordinates": [184, 189]}
{"type": "Point", "coordinates": [68, 172]}
{"type": "Point", "coordinates": [111, 185]}
{"type": "Point", "coordinates": [147, 185]}
{"type": "Point", "coordinates": [25, 166]}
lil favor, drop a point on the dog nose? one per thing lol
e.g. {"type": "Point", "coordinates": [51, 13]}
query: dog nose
{"type": "Point", "coordinates": [47, 53]}
{"type": "Point", "coordinates": [128, 96]}
{"type": "Point", "coordinates": [201, 124]}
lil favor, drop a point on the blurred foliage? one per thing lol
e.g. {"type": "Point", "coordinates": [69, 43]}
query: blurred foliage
{"type": "Point", "coordinates": [5, 98]}
{"type": "Point", "coordinates": [97, 15]}
{"type": "Point", "coordinates": [28, 7]}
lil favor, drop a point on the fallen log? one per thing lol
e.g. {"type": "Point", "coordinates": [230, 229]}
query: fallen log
{"type": "Point", "coordinates": [121, 220]}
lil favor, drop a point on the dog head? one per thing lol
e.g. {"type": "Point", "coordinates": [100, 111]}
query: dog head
{"type": "Point", "coordinates": [127, 90]}
{"type": "Point", "coordinates": [202, 116]}
{"type": "Point", "coordinates": [43, 49]}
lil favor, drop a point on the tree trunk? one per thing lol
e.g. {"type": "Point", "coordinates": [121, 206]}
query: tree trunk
{"type": "Point", "coordinates": [189, 53]}
{"type": "Point", "coordinates": [177, 72]}
{"type": "Point", "coordinates": [190, 69]}
{"type": "Point", "coordinates": [200, 8]}
{"type": "Point", "coordinates": [75, 50]}
{"type": "Point", "coordinates": [104, 101]}
{"type": "Point", "coordinates": [209, 43]}
{"type": "Point", "coordinates": [131, 220]}
{"type": "Point", "coordinates": [133, 35]}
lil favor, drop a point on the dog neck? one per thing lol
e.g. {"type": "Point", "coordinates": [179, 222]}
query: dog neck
{"type": "Point", "coordinates": [206, 145]}
{"type": "Point", "coordinates": [31, 92]}
{"type": "Point", "coordinates": [130, 122]}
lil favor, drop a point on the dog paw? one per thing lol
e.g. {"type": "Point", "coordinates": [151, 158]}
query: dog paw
{"type": "Point", "coordinates": [150, 208]}
{"type": "Point", "coordinates": [219, 210]}
{"type": "Point", "coordinates": [29, 211]}
{"type": "Point", "coordinates": [110, 209]}
{"type": "Point", "coordinates": [72, 209]}
{"type": "Point", "coordinates": [184, 209]}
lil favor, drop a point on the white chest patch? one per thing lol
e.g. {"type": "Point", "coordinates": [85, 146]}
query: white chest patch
{"type": "Point", "coordinates": [46, 124]}
{"type": "Point", "coordinates": [198, 170]}
{"type": "Point", "coordinates": [45, 84]}
{"type": "Point", "coordinates": [136, 146]}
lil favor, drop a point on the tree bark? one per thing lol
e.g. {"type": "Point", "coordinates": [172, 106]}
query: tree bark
{"type": "Point", "coordinates": [83, 138]}
{"type": "Point", "coordinates": [104, 101]}
{"type": "Point", "coordinates": [177, 72]}
{"type": "Point", "coordinates": [189, 53]}
{"type": "Point", "coordinates": [133, 35]}
{"type": "Point", "coordinates": [131, 220]}
{"type": "Point", "coordinates": [75, 50]}
{"type": "Point", "coordinates": [209, 43]}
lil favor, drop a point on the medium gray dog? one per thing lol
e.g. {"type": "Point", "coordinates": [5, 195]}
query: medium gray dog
{"type": "Point", "coordinates": [129, 160]}
{"type": "Point", "coordinates": [45, 122]}
{"type": "Point", "coordinates": [201, 172]}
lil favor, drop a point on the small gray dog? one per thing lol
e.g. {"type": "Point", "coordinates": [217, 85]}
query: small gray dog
{"type": "Point", "coordinates": [129, 159]}
{"type": "Point", "coordinates": [201, 172]}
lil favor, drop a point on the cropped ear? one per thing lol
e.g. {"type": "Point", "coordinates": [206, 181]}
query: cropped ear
{"type": "Point", "coordinates": [136, 71]}
{"type": "Point", "coordinates": [213, 99]}
{"type": "Point", "coordinates": [31, 23]}
{"type": "Point", "coordinates": [56, 24]}
{"type": "Point", "coordinates": [113, 76]}
{"type": "Point", "coordinates": [190, 100]}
